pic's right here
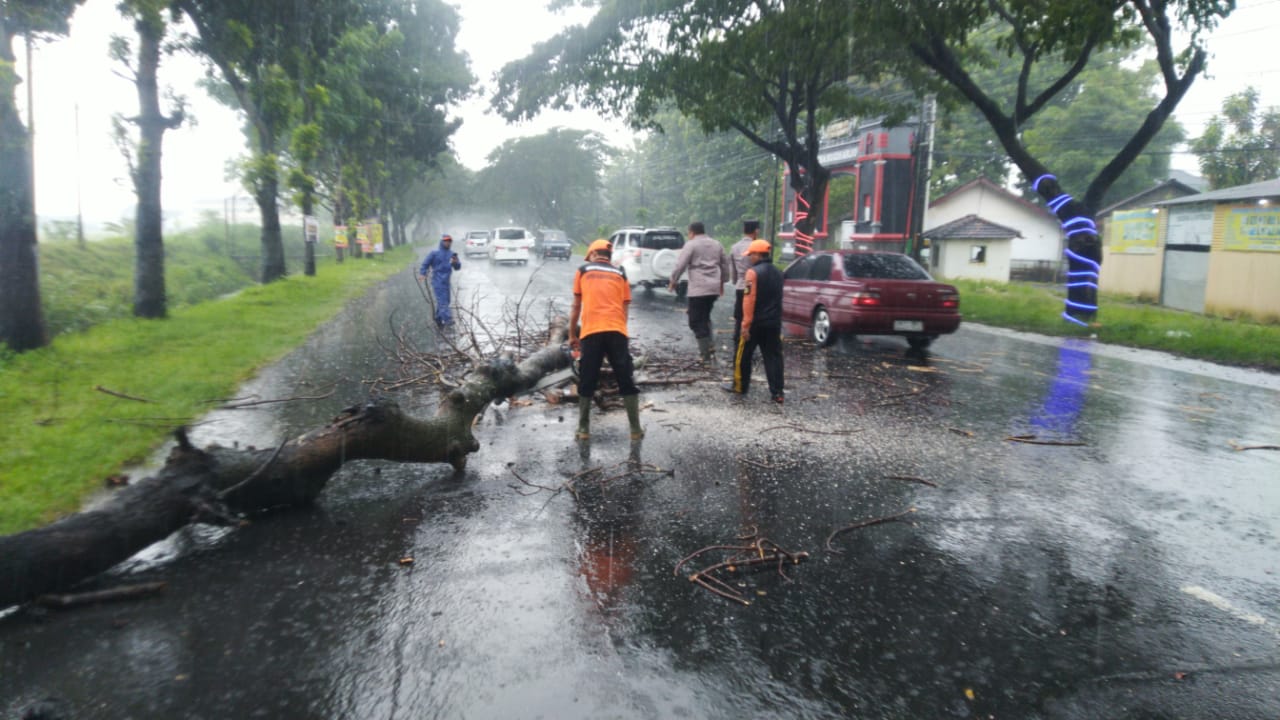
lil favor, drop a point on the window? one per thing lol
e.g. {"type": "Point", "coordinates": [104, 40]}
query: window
{"type": "Point", "coordinates": [663, 240]}
{"type": "Point", "coordinates": [799, 270]}
{"type": "Point", "coordinates": [821, 268]}
{"type": "Point", "coordinates": [883, 265]}
{"type": "Point", "coordinates": [977, 253]}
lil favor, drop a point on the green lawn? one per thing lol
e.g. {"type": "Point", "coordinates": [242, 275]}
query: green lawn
{"type": "Point", "coordinates": [63, 436]}
{"type": "Point", "coordinates": [1123, 321]}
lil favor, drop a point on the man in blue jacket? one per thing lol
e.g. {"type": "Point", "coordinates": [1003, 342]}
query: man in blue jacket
{"type": "Point", "coordinates": [438, 266]}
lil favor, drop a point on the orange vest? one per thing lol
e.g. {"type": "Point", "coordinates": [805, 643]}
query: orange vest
{"type": "Point", "coordinates": [605, 294]}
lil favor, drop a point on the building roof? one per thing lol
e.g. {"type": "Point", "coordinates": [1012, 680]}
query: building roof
{"type": "Point", "coordinates": [972, 227]}
{"type": "Point", "coordinates": [987, 184]}
{"type": "Point", "coordinates": [1172, 185]}
{"type": "Point", "coordinates": [1191, 180]}
{"type": "Point", "coordinates": [1252, 191]}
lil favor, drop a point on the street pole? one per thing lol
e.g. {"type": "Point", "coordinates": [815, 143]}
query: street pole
{"type": "Point", "coordinates": [79, 202]}
{"type": "Point", "coordinates": [924, 170]}
{"type": "Point", "coordinates": [31, 133]}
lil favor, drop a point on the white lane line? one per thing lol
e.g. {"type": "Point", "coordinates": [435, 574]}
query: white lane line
{"type": "Point", "coordinates": [1225, 605]}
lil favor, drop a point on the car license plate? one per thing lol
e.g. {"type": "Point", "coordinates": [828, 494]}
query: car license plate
{"type": "Point", "coordinates": [908, 325]}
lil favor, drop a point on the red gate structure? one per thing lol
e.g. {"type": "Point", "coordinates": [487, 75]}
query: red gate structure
{"type": "Point", "coordinates": [882, 161]}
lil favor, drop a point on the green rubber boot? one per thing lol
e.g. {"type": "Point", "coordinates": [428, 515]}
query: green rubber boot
{"type": "Point", "coordinates": [707, 351]}
{"type": "Point", "coordinates": [632, 404]}
{"type": "Point", "coordinates": [584, 419]}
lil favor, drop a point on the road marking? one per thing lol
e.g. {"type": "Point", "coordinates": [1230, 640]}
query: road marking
{"type": "Point", "coordinates": [1225, 605]}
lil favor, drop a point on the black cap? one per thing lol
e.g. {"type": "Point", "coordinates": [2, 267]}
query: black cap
{"type": "Point", "coordinates": [750, 226]}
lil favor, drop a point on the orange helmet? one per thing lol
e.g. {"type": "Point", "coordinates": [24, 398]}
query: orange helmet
{"type": "Point", "coordinates": [758, 246]}
{"type": "Point", "coordinates": [597, 245]}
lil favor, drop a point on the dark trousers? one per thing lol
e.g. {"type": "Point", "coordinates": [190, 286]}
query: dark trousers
{"type": "Point", "coordinates": [595, 348]}
{"type": "Point", "coordinates": [700, 314]}
{"type": "Point", "coordinates": [769, 340]}
{"type": "Point", "coordinates": [737, 318]}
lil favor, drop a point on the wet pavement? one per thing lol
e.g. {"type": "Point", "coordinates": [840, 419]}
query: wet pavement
{"type": "Point", "coordinates": [1129, 571]}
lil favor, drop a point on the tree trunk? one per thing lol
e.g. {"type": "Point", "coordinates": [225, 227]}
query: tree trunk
{"type": "Point", "coordinates": [216, 483]}
{"type": "Point", "coordinates": [811, 189]}
{"type": "Point", "coordinates": [21, 316]}
{"type": "Point", "coordinates": [267, 194]}
{"type": "Point", "coordinates": [309, 248]}
{"type": "Point", "coordinates": [148, 274]}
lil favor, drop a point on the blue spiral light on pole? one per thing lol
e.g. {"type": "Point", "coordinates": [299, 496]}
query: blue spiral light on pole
{"type": "Point", "coordinates": [1082, 272]}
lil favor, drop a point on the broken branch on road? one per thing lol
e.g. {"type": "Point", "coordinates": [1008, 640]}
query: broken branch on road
{"type": "Point", "coordinates": [865, 524]}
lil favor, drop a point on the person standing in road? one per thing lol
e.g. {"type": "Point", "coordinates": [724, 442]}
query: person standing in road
{"type": "Point", "coordinates": [708, 267]}
{"type": "Point", "coordinates": [438, 267]}
{"type": "Point", "coordinates": [761, 323]}
{"type": "Point", "coordinates": [601, 298]}
{"type": "Point", "coordinates": [741, 263]}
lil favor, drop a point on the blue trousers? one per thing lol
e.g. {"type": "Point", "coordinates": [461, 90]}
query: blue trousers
{"type": "Point", "coordinates": [440, 288]}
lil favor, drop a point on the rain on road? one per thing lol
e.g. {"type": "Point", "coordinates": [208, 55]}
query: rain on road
{"type": "Point", "coordinates": [1129, 574]}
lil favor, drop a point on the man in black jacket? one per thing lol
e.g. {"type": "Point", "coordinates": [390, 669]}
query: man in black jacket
{"type": "Point", "coordinates": [761, 323]}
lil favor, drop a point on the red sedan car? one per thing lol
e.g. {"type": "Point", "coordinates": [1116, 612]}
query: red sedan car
{"type": "Point", "coordinates": [862, 292]}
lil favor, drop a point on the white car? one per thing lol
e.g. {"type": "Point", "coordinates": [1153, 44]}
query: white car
{"type": "Point", "coordinates": [476, 243]}
{"type": "Point", "coordinates": [510, 244]}
{"type": "Point", "coordinates": [648, 255]}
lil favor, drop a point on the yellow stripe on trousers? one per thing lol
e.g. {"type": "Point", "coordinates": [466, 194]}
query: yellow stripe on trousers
{"type": "Point", "coordinates": [737, 365]}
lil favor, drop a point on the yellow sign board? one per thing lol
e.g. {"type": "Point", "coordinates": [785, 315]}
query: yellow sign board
{"type": "Point", "coordinates": [1252, 229]}
{"type": "Point", "coordinates": [1133, 232]}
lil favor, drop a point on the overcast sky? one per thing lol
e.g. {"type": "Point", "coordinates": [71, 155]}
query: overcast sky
{"type": "Point", "coordinates": [76, 73]}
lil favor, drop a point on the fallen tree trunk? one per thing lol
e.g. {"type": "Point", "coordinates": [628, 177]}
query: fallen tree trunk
{"type": "Point", "coordinates": [219, 485]}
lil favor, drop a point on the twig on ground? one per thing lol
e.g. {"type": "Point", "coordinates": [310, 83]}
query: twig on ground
{"type": "Point", "coordinates": [864, 524]}
{"type": "Point", "coordinates": [1031, 440]}
{"type": "Point", "coordinates": [121, 395]}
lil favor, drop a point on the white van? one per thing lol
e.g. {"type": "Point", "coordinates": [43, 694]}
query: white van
{"type": "Point", "coordinates": [510, 244]}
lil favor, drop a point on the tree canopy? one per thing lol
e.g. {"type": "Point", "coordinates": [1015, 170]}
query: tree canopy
{"type": "Point", "coordinates": [1242, 145]}
{"type": "Point", "coordinates": [774, 71]}
{"type": "Point", "coordinates": [550, 180]}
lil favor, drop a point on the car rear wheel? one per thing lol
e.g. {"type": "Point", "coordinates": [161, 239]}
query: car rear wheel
{"type": "Point", "coordinates": [919, 343]}
{"type": "Point", "coordinates": [821, 331]}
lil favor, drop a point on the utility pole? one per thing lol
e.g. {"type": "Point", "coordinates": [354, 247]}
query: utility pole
{"type": "Point", "coordinates": [924, 170]}
{"type": "Point", "coordinates": [31, 134]}
{"type": "Point", "coordinates": [79, 204]}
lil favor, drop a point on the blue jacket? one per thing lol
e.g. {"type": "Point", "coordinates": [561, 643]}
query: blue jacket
{"type": "Point", "coordinates": [439, 264]}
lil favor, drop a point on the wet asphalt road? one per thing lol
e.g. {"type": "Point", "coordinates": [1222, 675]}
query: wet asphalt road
{"type": "Point", "coordinates": [1132, 575]}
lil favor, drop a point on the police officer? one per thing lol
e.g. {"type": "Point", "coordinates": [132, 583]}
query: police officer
{"type": "Point", "coordinates": [761, 323]}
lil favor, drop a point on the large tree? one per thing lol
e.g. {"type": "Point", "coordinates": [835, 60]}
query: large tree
{"type": "Point", "coordinates": [773, 70]}
{"type": "Point", "coordinates": [21, 316]}
{"type": "Point", "coordinates": [377, 111]}
{"type": "Point", "coordinates": [550, 180]}
{"type": "Point", "coordinates": [937, 35]}
{"type": "Point", "coordinates": [150, 20]}
{"type": "Point", "coordinates": [684, 174]}
{"type": "Point", "coordinates": [1075, 135]}
{"type": "Point", "coordinates": [253, 46]}
{"type": "Point", "coordinates": [1242, 145]}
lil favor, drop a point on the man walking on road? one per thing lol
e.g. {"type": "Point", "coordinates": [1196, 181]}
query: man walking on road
{"type": "Point", "coordinates": [601, 297]}
{"type": "Point", "coordinates": [761, 323]}
{"type": "Point", "coordinates": [438, 267]}
{"type": "Point", "coordinates": [741, 263]}
{"type": "Point", "coordinates": [708, 267]}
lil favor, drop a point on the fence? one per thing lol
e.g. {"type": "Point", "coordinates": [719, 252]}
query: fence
{"type": "Point", "coordinates": [1037, 270]}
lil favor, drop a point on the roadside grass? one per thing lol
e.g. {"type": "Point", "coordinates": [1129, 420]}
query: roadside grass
{"type": "Point", "coordinates": [64, 437]}
{"type": "Point", "coordinates": [84, 286]}
{"type": "Point", "coordinates": [1123, 321]}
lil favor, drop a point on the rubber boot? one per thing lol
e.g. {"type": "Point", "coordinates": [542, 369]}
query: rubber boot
{"type": "Point", "coordinates": [632, 404]}
{"type": "Point", "coordinates": [584, 419]}
{"type": "Point", "coordinates": [707, 350]}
